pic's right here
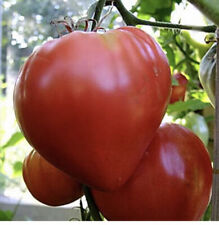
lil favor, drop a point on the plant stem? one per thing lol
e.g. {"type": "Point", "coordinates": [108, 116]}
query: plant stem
{"type": "Point", "coordinates": [91, 204]}
{"type": "Point", "coordinates": [215, 189]}
{"type": "Point", "coordinates": [98, 11]}
{"type": "Point", "coordinates": [132, 20]}
{"type": "Point", "coordinates": [184, 52]}
{"type": "Point", "coordinates": [208, 7]}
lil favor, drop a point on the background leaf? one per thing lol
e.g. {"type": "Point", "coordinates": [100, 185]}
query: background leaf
{"type": "Point", "coordinates": [17, 136]}
{"type": "Point", "coordinates": [189, 105]}
{"type": "Point", "coordinates": [6, 215]}
{"type": "Point", "coordinates": [159, 9]}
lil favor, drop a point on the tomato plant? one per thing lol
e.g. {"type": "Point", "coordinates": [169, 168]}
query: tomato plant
{"type": "Point", "coordinates": [179, 90]}
{"type": "Point", "coordinates": [172, 182]}
{"type": "Point", "coordinates": [90, 103]}
{"type": "Point", "coordinates": [196, 123]}
{"type": "Point", "coordinates": [48, 184]}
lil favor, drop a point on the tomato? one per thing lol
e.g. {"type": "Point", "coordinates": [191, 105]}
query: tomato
{"type": "Point", "coordinates": [179, 91]}
{"type": "Point", "coordinates": [196, 123]}
{"type": "Point", "coordinates": [172, 182]}
{"type": "Point", "coordinates": [48, 184]}
{"type": "Point", "coordinates": [90, 103]}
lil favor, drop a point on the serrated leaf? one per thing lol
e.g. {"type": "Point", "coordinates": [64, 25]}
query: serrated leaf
{"type": "Point", "coordinates": [17, 136]}
{"type": "Point", "coordinates": [189, 105]}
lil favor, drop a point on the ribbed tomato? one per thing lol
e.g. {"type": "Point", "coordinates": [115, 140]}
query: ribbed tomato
{"type": "Point", "coordinates": [172, 182]}
{"type": "Point", "coordinates": [48, 184]}
{"type": "Point", "coordinates": [90, 103]}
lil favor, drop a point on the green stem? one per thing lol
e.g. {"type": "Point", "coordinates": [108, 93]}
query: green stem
{"type": "Point", "coordinates": [132, 20]}
{"type": "Point", "coordinates": [184, 52]}
{"type": "Point", "coordinates": [98, 11]}
{"type": "Point", "coordinates": [91, 204]}
{"type": "Point", "coordinates": [179, 63]}
{"type": "Point", "coordinates": [208, 7]}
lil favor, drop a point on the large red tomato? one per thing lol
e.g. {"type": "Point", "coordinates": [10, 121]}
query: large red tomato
{"type": "Point", "coordinates": [48, 184]}
{"type": "Point", "coordinates": [179, 91]}
{"type": "Point", "coordinates": [172, 182]}
{"type": "Point", "coordinates": [90, 103]}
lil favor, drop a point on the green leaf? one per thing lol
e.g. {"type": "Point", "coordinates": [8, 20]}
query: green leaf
{"type": "Point", "coordinates": [207, 214]}
{"type": "Point", "coordinates": [200, 94]}
{"type": "Point", "coordinates": [17, 136]}
{"type": "Point", "coordinates": [170, 55]}
{"type": "Point", "coordinates": [159, 9]}
{"type": "Point", "coordinates": [17, 167]}
{"type": "Point", "coordinates": [177, 1]}
{"type": "Point", "coordinates": [6, 215]}
{"type": "Point", "coordinates": [189, 105]}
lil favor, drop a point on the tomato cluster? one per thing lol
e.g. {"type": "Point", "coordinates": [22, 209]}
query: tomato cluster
{"type": "Point", "coordinates": [91, 105]}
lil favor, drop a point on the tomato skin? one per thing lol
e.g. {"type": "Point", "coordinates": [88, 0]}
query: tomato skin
{"type": "Point", "coordinates": [173, 181]}
{"type": "Point", "coordinates": [179, 91]}
{"type": "Point", "coordinates": [90, 103]}
{"type": "Point", "coordinates": [48, 184]}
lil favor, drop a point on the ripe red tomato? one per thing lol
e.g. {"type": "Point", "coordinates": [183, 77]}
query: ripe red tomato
{"type": "Point", "coordinates": [179, 91]}
{"type": "Point", "coordinates": [48, 184]}
{"type": "Point", "coordinates": [90, 103]}
{"type": "Point", "coordinates": [172, 182]}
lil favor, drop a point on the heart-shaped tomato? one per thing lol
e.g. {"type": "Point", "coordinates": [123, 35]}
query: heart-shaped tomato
{"type": "Point", "coordinates": [172, 182]}
{"type": "Point", "coordinates": [90, 103]}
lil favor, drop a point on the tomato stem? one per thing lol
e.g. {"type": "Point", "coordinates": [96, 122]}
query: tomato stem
{"type": "Point", "coordinates": [131, 20]}
{"type": "Point", "coordinates": [184, 52]}
{"type": "Point", "coordinates": [91, 204]}
{"type": "Point", "coordinates": [98, 11]}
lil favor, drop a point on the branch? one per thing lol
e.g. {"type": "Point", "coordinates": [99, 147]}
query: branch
{"type": "Point", "coordinates": [132, 20]}
{"type": "Point", "coordinates": [98, 11]}
{"type": "Point", "coordinates": [208, 7]}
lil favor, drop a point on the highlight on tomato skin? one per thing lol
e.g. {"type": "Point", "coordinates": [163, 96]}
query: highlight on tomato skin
{"type": "Point", "coordinates": [48, 184]}
{"type": "Point", "coordinates": [172, 182]}
{"type": "Point", "coordinates": [96, 95]}
{"type": "Point", "coordinates": [178, 91]}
